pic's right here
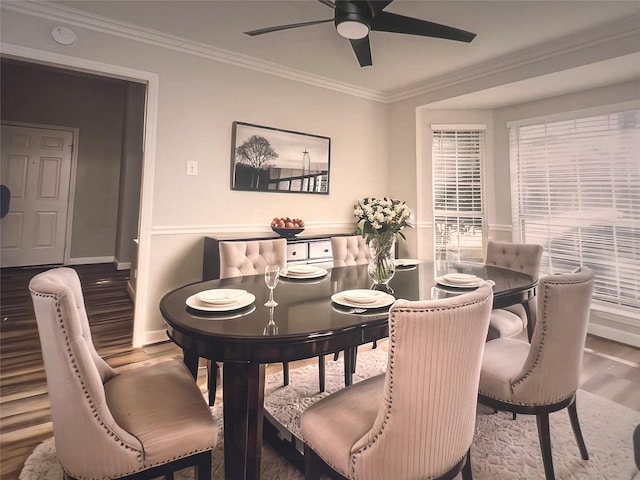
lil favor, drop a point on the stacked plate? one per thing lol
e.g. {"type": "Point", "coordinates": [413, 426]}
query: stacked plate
{"type": "Point", "coordinates": [220, 299]}
{"type": "Point", "coordinates": [362, 298]}
{"type": "Point", "coordinates": [303, 272]}
{"type": "Point", "coordinates": [459, 280]}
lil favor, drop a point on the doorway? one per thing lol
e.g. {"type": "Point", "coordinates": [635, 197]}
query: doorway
{"type": "Point", "coordinates": [36, 167]}
{"type": "Point", "coordinates": [108, 114]}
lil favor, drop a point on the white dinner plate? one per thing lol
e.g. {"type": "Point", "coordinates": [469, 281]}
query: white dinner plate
{"type": "Point", "coordinates": [241, 302]}
{"type": "Point", "coordinates": [383, 300]}
{"type": "Point", "coordinates": [460, 278]}
{"type": "Point", "coordinates": [406, 262]}
{"type": "Point", "coordinates": [362, 296]}
{"type": "Point", "coordinates": [468, 284]}
{"type": "Point", "coordinates": [220, 296]}
{"type": "Point", "coordinates": [309, 272]}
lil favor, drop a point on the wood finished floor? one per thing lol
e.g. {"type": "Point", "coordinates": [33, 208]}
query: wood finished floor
{"type": "Point", "coordinates": [610, 370]}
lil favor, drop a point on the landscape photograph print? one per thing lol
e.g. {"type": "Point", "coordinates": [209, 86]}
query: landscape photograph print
{"type": "Point", "coordinates": [271, 159]}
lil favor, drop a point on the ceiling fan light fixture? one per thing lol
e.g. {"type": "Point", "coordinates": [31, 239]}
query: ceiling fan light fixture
{"type": "Point", "coordinates": [353, 30]}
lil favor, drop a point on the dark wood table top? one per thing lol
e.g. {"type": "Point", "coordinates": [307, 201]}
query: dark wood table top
{"type": "Point", "coordinates": [305, 312]}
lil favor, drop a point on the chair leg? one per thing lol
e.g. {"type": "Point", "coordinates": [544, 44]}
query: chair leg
{"type": "Point", "coordinates": [354, 353]}
{"type": "Point", "coordinates": [312, 464]}
{"type": "Point", "coordinates": [321, 372]}
{"type": "Point", "coordinates": [285, 373]}
{"type": "Point", "coordinates": [466, 470]}
{"type": "Point", "coordinates": [212, 379]}
{"type": "Point", "coordinates": [335, 356]}
{"type": "Point", "coordinates": [575, 425]}
{"type": "Point", "coordinates": [542, 419]}
{"type": "Point", "coordinates": [203, 467]}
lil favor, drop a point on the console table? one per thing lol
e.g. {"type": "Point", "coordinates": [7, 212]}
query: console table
{"type": "Point", "coordinates": [303, 248]}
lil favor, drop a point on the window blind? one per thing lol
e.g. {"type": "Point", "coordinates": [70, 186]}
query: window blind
{"type": "Point", "coordinates": [458, 192]}
{"type": "Point", "coordinates": [576, 191]}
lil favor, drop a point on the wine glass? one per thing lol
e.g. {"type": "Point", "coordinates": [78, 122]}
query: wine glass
{"type": "Point", "coordinates": [271, 277]}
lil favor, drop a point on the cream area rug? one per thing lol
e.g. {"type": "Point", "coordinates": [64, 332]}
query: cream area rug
{"type": "Point", "coordinates": [502, 448]}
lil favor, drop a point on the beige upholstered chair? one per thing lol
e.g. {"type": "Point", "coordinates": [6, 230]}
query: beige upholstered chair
{"type": "Point", "coordinates": [346, 251]}
{"type": "Point", "coordinates": [417, 420]}
{"type": "Point", "coordinates": [542, 377]}
{"type": "Point", "coordinates": [144, 423]}
{"type": "Point", "coordinates": [251, 257]}
{"type": "Point", "coordinates": [349, 250]}
{"type": "Point", "coordinates": [240, 258]}
{"type": "Point", "coordinates": [522, 257]}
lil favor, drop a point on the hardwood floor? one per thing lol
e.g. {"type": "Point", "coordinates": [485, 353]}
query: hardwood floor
{"type": "Point", "coordinates": [610, 370]}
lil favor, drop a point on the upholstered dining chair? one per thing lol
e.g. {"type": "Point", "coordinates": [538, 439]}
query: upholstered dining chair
{"type": "Point", "coordinates": [238, 258]}
{"type": "Point", "coordinates": [541, 377]}
{"type": "Point", "coordinates": [248, 257]}
{"type": "Point", "coordinates": [417, 420]}
{"type": "Point", "coordinates": [142, 424]}
{"type": "Point", "coordinates": [349, 250]}
{"type": "Point", "coordinates": [522, 257]}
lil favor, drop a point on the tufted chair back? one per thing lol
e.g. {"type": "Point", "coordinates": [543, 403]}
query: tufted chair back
{"type": "Point", "coordinates": [107, 424]}
{"type": "Point", "coordinates": [251, 257]}
{"type": "Point", "coordinates": [522, 257]}
{"type": "Point", "coordinates": [417, 420]}
{"type": "Point", "coordinates": [349, 250]}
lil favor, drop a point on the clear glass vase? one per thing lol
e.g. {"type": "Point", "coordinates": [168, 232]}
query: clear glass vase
{"type": "Point", "coordinates": [382, 266]}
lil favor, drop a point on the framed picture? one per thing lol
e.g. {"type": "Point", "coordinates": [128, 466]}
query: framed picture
{"type": "Point", "coordinates": [267, 159]}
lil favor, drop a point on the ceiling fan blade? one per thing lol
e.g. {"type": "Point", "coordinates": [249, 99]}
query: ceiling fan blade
{"type": "Point", "coordinates": [328, 3]}
{"type": "Point", "coordinates": [377, 6]}
{"type": "Point", "coordinates": [391, 22]}
{"type": "Point", "coordinates": [260, 31]}
{"type": "Point", "coordinates": [362, 49]}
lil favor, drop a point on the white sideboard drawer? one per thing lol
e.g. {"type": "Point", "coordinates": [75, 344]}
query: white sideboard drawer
{"type": "Point", "coordinates": [297, 252]}
{"type": "Point", "coordinates": [321, 249]}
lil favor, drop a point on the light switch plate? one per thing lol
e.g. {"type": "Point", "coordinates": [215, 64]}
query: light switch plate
{"type": "Point", "coordinates": [192, 167]}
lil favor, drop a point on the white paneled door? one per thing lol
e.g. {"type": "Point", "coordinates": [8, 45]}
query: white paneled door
{"type": "Point", "coordinates": [36, 166]}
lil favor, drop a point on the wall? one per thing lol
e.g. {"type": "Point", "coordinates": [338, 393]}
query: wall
{"type": "Point", "coordinates": [197, 100]}
{"type": "Point", "coordinates": [130, 174]}
{"type": "Point", "coordinates": [36, 95]}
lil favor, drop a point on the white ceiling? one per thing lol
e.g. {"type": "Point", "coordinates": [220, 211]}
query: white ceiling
{"type": "Point", "coordinates": [505, 30]}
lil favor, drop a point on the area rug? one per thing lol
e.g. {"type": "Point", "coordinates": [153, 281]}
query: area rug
{"type": "Point", "coordinates": [503, 448]}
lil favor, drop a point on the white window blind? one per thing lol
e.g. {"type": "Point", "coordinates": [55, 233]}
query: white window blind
{"type": "Point", "coordinates": [576, 191]}
{"type": "Point", "coordinates": [458, 192]}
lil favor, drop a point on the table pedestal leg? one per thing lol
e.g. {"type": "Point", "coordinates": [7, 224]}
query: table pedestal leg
{"type": "Point", "coordinates": [243, 409]}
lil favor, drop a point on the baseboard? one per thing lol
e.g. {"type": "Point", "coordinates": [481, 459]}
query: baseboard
{"type": "Point", "coordinates": [615, 324]}
{"type": "Point", "coordinates": [154, 336]}
{"type": "Point", "coordinates": [88, 260]}
{"type": "Point", "coordinates": [615, 334]}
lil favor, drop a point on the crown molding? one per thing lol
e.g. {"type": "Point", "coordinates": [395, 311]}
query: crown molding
{"type": "Point", "coordinates": [572, 44]}
{"type": "Point", "coordinates": [70, 16]}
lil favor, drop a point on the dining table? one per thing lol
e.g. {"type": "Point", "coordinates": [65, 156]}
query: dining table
{"type": "Point", "coordinates": [312, 318]}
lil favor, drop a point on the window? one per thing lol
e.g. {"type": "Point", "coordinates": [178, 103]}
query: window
{"type": "Point", "coordinates": [458, 191]}
{"type": "Point", "coordinates": [576, 192]}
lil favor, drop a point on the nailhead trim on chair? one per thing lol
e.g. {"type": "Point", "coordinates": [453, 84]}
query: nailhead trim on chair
{"type": "Point", "coordinates": [390, 372]}
{"type": "Point", "coordinates": [96, 414]}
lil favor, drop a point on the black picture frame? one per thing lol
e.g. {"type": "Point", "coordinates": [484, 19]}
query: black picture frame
{"type": "Point", "coordinates": [267, 159]}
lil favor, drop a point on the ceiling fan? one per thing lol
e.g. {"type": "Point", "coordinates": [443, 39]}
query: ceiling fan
{"type": "Point", "coordinates": [354, 19]}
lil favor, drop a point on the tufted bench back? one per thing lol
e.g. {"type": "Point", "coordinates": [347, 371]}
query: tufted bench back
{"type": "Point", "coordinates": [522, 257]}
